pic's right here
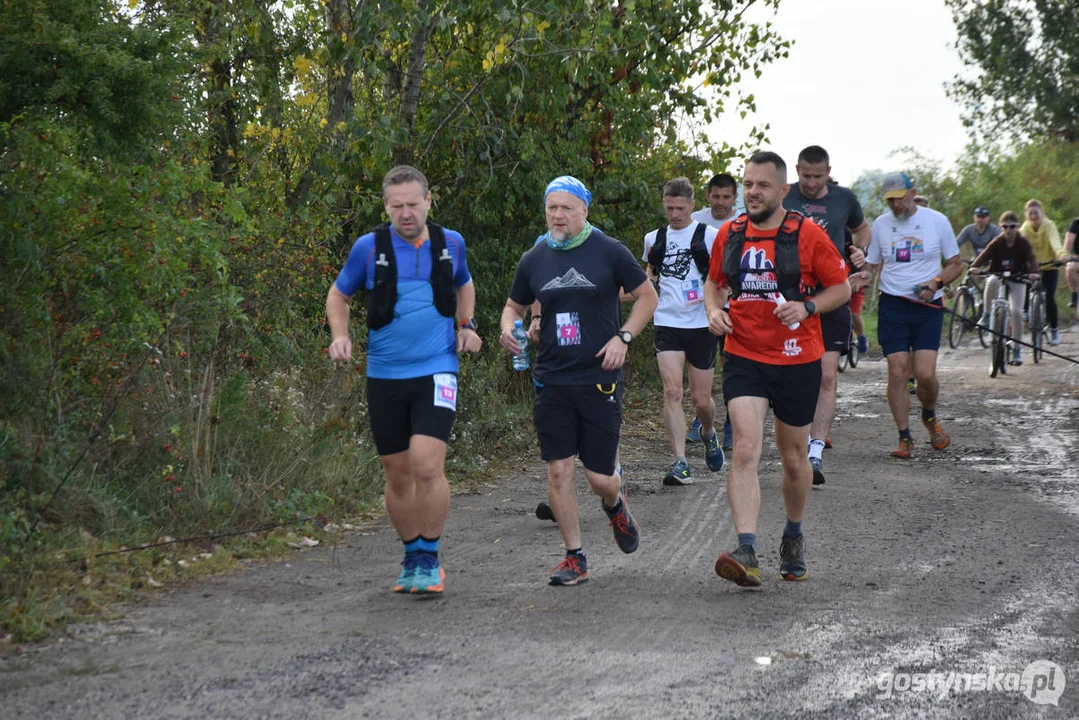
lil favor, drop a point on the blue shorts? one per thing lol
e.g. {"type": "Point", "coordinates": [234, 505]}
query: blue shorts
{"type": "Point", "coordinates": [904, 325]}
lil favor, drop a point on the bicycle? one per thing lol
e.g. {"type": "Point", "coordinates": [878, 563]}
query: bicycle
{"type": "Point", "coordinates": [966, 312]}
{"type": "Point", "coordinates": [1039, 326]}
{"type": "Point", "coordinates": [852, 356]}
{"type": "Point", "coordinates": [1002, 345]}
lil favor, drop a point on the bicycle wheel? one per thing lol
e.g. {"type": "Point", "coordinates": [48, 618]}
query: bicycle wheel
{"type": "Point", "coordinates": [843, 362]}
{"type": "Point", "coordinates": [983, 336]}
{"type": "Point", "coordinates": [852, 356]}
{"type": "Point", "coordinates": [996, 344]}
{"type": "Point", "coordinates": [959, 323]}
{"type": "Point", "coordinates": [1037, 324]}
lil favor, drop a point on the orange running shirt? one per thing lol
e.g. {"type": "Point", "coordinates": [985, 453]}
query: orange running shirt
{"type": "Point", "coordinates": [756, 333]}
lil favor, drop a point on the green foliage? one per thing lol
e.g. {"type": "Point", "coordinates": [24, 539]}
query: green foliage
{"type": "Point", "coordinates": [180, 182]}
{"type": "Point", "coordinates": [1027, 62]}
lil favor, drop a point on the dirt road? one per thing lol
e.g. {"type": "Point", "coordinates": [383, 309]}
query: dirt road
{"type": "Point", "coordinates": [960, 563]}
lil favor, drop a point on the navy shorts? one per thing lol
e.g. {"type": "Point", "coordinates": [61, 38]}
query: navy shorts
{"type": "Point", "coordinates": [699, 344]}
{"type": "Point", "coordinates": [580, 420]}
{"type": "Point", "coordinates": [904, 325]}
{"type": "Point", "coordinates": [835, 329]}
{"type": "Point", "coordinates": [791, 390]}
{"type": "Point", "coordinates": [399, 409]}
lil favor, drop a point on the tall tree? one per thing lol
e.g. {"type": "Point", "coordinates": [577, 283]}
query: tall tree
{"type": "Point", "coordinates": [1026, 60]}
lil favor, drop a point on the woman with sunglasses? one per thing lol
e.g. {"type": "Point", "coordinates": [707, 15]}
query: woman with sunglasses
{"type": "Point", "coordinates": [1045, 238]}
{"type": "Point", "coordinates": [1013, 253]}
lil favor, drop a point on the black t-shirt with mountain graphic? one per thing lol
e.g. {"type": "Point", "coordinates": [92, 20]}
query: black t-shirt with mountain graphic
{"type": "Point", "coordinates": [578, 291]}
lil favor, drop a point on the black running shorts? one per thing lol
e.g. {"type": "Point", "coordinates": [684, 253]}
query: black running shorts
{"type": "Point", "coordinates": [835, 329]}
{"type": "Point", "coordinates": [699, 344]}
{"type": "Point", "coordinates": [580, 420]}
{"type": "Point", "coordinates": [791, 390]}
{"type": "Point", "coordinates": [399, 409]}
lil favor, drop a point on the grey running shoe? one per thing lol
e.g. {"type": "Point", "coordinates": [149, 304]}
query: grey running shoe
{"type": "Point", "coordinates": [626, 532]}
{"type": "Point", "coordinates": [740, 567]}
{"type": "Point", "coordinates": [572, 570]}
{"type": "Point", "coordinates": [679, 474]}
{"type": "Point", "coordinates": [713, 453]}
{"type": "Point", "coordinates": [818, 473]}
{"type": "Point", "coordinates": [792, 558]}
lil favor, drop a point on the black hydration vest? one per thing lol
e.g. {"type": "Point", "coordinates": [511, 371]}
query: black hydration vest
{"type": "Point", "coordinates": [658, 251]}
{"type": "Point", "coordinates": [788, 270]}
{"type": "Point", "coordinates": [383, 296]}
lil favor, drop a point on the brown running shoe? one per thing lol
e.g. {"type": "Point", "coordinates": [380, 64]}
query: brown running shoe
{"type": "Point", "coordinates": [937, 436]}
{"type": "Point", "coordinates": [905, 449]}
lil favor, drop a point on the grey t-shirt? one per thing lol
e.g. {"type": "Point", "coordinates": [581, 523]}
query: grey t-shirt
{"type": "Point", "coordinates": [834, 212]}
{"type": "Point", "coordinates": [977, 240]}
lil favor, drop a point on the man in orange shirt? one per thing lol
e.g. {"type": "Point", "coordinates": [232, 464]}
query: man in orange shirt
{"type": "Point", "coordinates": [779, 273]}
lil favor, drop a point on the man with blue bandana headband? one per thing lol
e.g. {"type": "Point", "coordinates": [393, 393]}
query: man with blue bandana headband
{"type": "Point", "coordinates": [578, 273]}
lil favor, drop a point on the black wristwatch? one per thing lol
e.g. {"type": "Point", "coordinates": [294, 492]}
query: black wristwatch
{"type": "Point", "coordinates": [625, 336]}
{"type": "Point", "coordinates": [469, 324]}
{"type": "Point", "coordinates": [811, 308]}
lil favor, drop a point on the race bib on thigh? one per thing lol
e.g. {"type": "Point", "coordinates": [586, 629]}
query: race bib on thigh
{"type": "Point", "coordinates": [446, 391]}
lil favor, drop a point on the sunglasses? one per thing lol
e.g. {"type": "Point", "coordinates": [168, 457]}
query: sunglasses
{"type": "Point", "coordinates": [1010, 226]}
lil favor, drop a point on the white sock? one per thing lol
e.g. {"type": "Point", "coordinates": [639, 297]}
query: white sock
{"type": "Point", "coordinates": [816, 448]}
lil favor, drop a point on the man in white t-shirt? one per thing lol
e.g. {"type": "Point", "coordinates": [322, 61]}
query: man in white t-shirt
{"type": "Point", "coordinates": [677, 257]}
{"type": "Point", "coordinates": [908, 245]}
{"type": "Point", "coordinates": [721, 195]}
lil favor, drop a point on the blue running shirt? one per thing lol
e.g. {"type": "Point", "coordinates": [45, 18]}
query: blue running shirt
{"type": "Point", "coordinates": [419, 341]}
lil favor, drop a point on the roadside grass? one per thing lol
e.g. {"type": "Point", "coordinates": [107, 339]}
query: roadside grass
{"type": "Point", "coordinates": [288, 453]}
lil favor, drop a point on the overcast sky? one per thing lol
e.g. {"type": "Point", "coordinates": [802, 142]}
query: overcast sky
{"type": "Point", "coordinates": [864, 77]}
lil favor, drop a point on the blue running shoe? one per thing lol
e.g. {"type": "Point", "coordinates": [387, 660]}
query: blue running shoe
{"type": "Point", "coordinates": [863, 344]}
{"type": "Point", "coordinates": [728, 436]}
{"type": "Point", "coordinates": [694, 433]}
{"type": "Point", "coordinates": [408, 572]}
{"type": "Point", "coordinates": [713, 453]}
{"type": "Point", "coordinates": [679, 474]}
{"type": "Point", "coordinates": [429, 576]}
{"type": "Point", "coordinates": [626, 532]}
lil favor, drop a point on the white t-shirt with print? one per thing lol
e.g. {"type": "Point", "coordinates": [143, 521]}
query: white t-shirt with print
{"type": "Point", "coordinates": [911, 250]}
{"type": "Point", "coordinates": [704, 215]}
{"type": "Point", "coordinates": [681, 285]}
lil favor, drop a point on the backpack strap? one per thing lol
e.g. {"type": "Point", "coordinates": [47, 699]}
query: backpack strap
{"type": "Point", "coordinates": [445, 294]}
{"type": "Point", "coordinates": [383, 296]}
{"type": "Point", "coordinates": [658, 251]}
{"type": "Point", "coordinates": [699, 251]}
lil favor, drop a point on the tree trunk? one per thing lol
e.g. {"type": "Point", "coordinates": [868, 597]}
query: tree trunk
{"type": "Point", "coordinates": [403, 153]}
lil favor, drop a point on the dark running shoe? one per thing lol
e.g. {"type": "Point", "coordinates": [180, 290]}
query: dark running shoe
{"type": "Point", "coordinates": [713, 453]}
{"type": "Point", "coordinates": [740, 567]}
{"type": "Point", "coordinates": [572, 570]}
{"type": "Point", "coordinates": [728, 436]}
{"type": "Point", "coordinates": [679, 474]}
{"type": "Point", "coordinates": [792, 558]}
{"type": "Point", "coordinates": [863, 345]}
{"type": "Point", "coordinates": [694, 432]}
{"type": "Point", "coordinates": [626, 532]}
{"type": "Point", "coordinates": [818, 472]}
{"type": "Point", "coordinates": [544, 511]}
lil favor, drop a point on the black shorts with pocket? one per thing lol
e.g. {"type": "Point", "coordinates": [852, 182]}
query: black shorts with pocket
{"type": "Point", "coordinates": [580, 420]}
{"type": "Point", "coordinates": [835, 329]}
{"type": "Point", "coordinates": [699, 344]}
{"type": "Point", "coordinates": [399, 409]}
{"type": "Point", "coordinates": [791, 390]}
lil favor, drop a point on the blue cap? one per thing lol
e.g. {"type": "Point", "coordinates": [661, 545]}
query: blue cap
{"type": "Point", "coordinates": [570, 184]}
{"type": "Point", "coordinates": [895, 185]}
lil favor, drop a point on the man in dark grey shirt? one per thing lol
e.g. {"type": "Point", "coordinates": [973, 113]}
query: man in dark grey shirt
{"type": "Point", "coordinates": [979, 232]}
{"type": "Point", "coordinates": [836, 210]}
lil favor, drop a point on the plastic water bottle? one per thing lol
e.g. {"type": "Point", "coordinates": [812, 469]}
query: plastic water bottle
{"type": "Point", "coordinates": [520, 360]}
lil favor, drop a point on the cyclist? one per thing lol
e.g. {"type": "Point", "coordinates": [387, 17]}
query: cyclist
{"type": "Point", "coordinates": [1045, 239]}
{"type": "Point", "coordinates": [1008, 252]}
